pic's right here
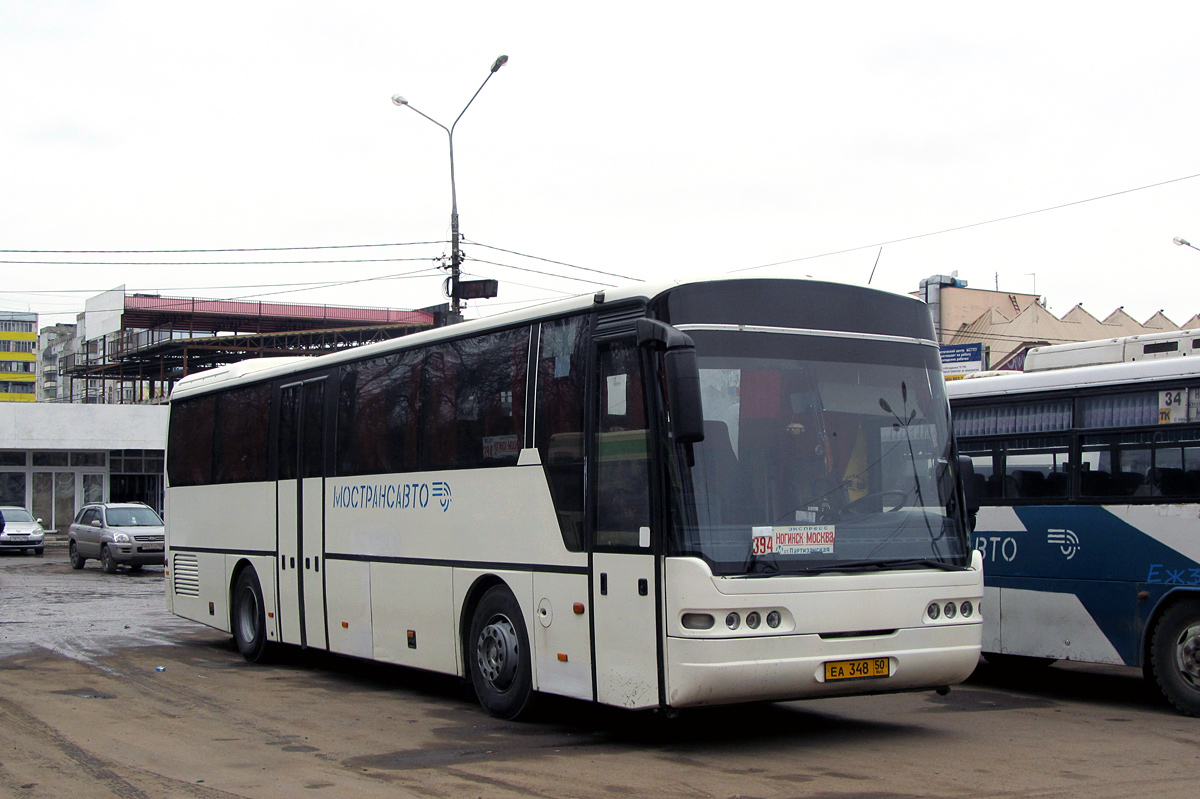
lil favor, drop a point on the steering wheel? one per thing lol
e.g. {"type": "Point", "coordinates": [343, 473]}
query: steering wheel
{"type": "Point", "coordinates": [858, 506]}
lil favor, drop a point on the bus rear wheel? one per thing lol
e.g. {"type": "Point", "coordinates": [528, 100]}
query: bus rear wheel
{"type": "Point", "coordinates": [249, 617]}
{"type": "Point", "coordinates": [1175, 656]}
{"type": "Point", "coordinates": [498, 655]}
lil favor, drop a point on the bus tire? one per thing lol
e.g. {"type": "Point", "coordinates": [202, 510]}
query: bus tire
{"type": "Point", "coordinates": [249, 620]}
{"type": "Point", "coordinates": [498, 655]}
{"type": "Point", "coordinates": [1175, 656]}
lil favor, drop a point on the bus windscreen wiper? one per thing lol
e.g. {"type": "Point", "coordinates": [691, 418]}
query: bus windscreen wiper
{"type": "Point", "coordinates": [860, 566]}
{"type": "Point", "coordinates": [895, 563]}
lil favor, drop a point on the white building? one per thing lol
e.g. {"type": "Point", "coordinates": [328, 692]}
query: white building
{"type": "Point", "coordinates": [55, 457]}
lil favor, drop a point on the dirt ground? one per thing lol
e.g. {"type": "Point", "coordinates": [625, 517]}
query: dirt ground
{"type": "Point", "coordinates": [102, 694]}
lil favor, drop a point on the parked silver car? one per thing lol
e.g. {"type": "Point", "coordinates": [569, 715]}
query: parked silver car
{"type": "Point", "coordinates": [117, 533]}
{"type": "Point", "coordinates": [21, 531]}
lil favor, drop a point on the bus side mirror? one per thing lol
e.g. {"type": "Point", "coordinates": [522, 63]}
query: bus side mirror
{"type": "Point", "coordinates": [682, 375]}
{"type": "Point", "coordinates": [966, 472]}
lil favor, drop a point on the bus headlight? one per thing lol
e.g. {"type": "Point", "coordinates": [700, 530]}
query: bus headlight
{"type": "Point", "coordinates": [950, 610]}
{"type": "Point", "coordinates": [753, 620]}
{"type": "Point", "coordinates": [774, 619]}
{"type": "Point", "coordinates": [966, 609]}
{"type": "Point", "coordinates": [733, 621]}
{"type": "Point", "coordinates": [933, 611]}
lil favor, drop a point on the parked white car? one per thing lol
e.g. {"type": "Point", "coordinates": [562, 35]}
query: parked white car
{"type": "Point", "coordinates": [21, 531]}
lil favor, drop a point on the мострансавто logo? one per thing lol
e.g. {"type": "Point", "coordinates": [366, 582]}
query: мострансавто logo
{"type": "Point", "coordinates": [397, 496]}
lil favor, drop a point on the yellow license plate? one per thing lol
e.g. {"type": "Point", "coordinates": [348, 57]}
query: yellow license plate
{"type": "Point", "coordinates": [865, 669]}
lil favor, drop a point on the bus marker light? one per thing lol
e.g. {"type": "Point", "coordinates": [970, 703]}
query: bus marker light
{"type": "Point", "coordinates": [578, 608]}
{"type": "Point", "coordinates": [270, 614]}
{"type": "Point", "coordinates": [345, 625]}
{"type": "Point", "coordinates": [562, 657]}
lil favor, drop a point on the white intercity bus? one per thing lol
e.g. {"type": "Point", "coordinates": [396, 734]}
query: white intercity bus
{"type": "Point", "coordinates": [664, 496]}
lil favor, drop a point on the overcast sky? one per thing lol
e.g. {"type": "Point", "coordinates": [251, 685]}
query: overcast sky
{"type": "Point", "coordinates": [644, 139]}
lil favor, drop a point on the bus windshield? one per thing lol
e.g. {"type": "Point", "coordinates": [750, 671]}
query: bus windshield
{"type": "Point", "coordinates": [821, 453]}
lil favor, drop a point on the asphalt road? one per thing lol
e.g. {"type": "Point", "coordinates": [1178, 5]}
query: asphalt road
{"type": "Point", "coordinates": [102, 694]}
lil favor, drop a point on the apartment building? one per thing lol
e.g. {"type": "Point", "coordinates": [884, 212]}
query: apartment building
{"type": "Point", "coordinates": [18, 356]}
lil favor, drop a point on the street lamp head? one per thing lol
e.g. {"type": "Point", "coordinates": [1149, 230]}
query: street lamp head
{"type": "Point", "coordinates": [1182, 242]}
{"type": "Point", "coordinates": [499, 62]}
{"type": "Point", "coordinates": [398, 100]}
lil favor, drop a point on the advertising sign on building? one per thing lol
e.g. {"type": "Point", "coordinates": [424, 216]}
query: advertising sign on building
{"type": "Point", "coordinates": [959, 360]}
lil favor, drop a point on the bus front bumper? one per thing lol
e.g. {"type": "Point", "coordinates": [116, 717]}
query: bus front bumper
{"type": "Point", "coordinates": [779, 668]}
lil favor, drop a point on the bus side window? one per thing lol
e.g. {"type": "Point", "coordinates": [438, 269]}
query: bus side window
{"type": "Point", "coordinates": [1115, 465]}
{"type": "Point", "coordinates": [190, 442]}
{"type": "Point", "coordinates": [987, 479]}
{"type": "Point", "coordinates": [559, 421]}
{"type": "Point", "coordinates": [622, 449]}
{"type": "Point", "coordinates": [240, 441]}
{"type": "Point", "coordinates": [1037, 467]}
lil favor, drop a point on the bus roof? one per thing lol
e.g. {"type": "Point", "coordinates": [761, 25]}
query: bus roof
{"type": "Point", "coordinates": [267, 368]}
{"type": "Point", "coordinates": [1074, 377]}
{"type": "Point", "coordinates": [1112, 350]}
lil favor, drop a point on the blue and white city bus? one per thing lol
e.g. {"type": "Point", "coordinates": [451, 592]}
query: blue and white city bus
{"type": "Point", "coordinates": [665, 496]}
{"type": "Point", "coordinates": [1089, 478]}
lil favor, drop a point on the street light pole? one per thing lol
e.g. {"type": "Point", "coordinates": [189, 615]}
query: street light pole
{"type": "Point", "coordinates": [455, 252]}
{"type": "Point", "coordinates": [1184, 243]}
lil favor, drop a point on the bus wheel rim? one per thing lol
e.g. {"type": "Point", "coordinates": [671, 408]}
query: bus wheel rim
{"type": "Point", "coordinates": [498, 653]}
{"type": "Point", "coordinates": [1187, 655]}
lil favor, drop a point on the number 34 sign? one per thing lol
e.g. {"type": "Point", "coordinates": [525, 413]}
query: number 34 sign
{"type": "Point", "coordinates": [1174, 406]}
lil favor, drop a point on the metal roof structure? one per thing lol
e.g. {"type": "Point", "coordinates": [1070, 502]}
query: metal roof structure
{"type": "Point", "coordinates": [163, 339]}
{"type": "Point", "coordinates": [152, 311]}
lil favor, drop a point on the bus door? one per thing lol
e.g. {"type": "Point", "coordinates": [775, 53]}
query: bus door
{"type": "Point", "coordinates": [300, 499]}
{"type": "Point", "coordinates": [624, 585]}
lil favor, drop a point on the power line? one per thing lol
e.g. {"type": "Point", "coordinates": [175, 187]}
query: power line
{"type": "Point", "coordinates": [226, 249]}
{"type": "Point", "coordinates": [539, 272]}
{"type": "Point", "coordinates": [550, 261]}
{"type": "Point", "coordinates": [157, 289]}
{"type": "Point", "coordinates": [968, 226]}
{"type": "Point", "coordinates": [522, 285]}
{"type": "Point", "coordinates": [335, 284]}
{"type": "Point", "coordinates": [222, 263]}
{"type": "Point", "coordinates": [183, 301]}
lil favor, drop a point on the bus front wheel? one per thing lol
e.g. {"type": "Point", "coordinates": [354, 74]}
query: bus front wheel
{"type": "Point", "coordinates": [249, 617]}
{"type": "Point", "coordinates": [1175, 656]}
{"type": "Point", "coordinates": [498, 655]}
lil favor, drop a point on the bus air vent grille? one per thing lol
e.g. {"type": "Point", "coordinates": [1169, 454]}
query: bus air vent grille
{"type": "Point", "coordinates": [185, 574]}
{"type": "Point", "coordinates": [618, 322]}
